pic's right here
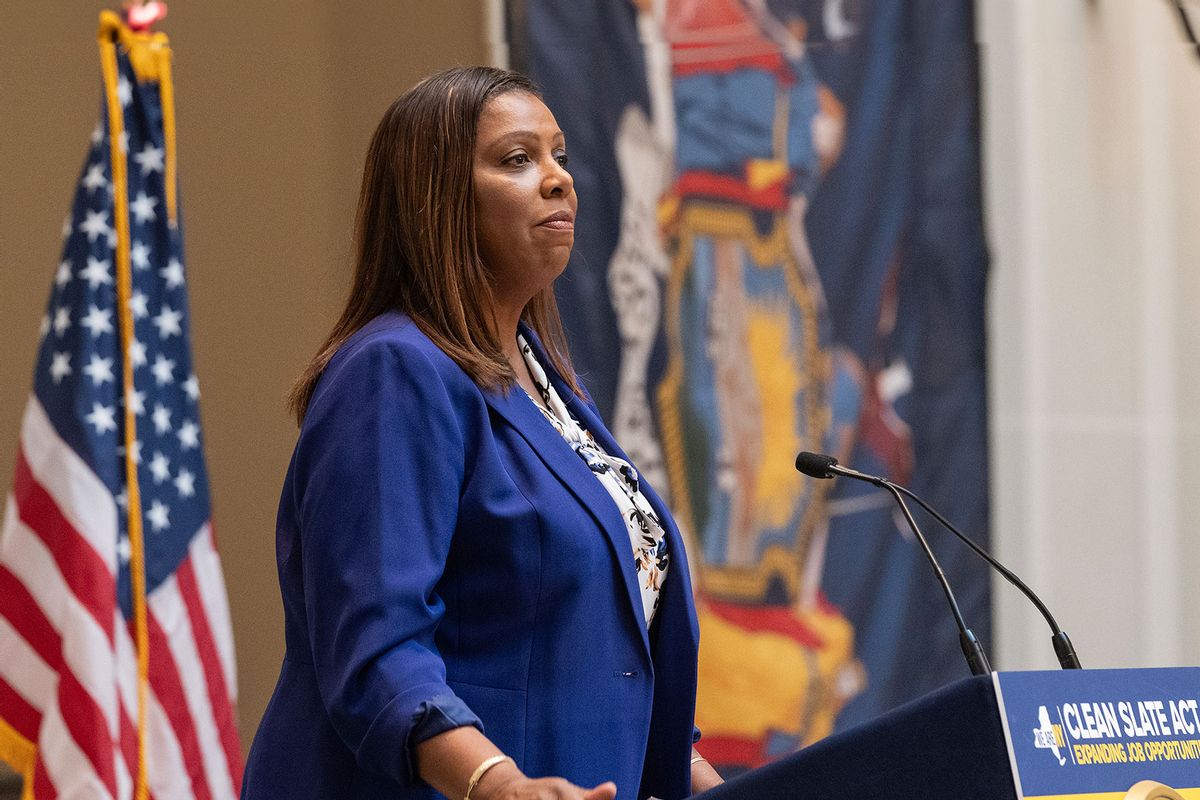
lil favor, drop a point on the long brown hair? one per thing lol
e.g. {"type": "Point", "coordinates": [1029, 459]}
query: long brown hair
{"type": "Point", "coordinates": [415, 245]}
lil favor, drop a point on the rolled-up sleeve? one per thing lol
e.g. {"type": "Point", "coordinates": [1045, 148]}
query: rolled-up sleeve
{"type": "Point", "coordinates": [379, 468]}
{"type": "Point", "coordinates": [438, 715]}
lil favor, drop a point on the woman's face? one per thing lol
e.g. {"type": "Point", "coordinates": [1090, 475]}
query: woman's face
{"type": "Point", "coordinates": [524, 197]}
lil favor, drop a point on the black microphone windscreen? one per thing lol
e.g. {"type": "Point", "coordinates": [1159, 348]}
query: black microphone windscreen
{"type": "Point", "coordinates": [815, 465]}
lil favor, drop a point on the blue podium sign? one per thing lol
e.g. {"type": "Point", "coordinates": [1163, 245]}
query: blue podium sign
{"type": "Point", "coordinates": [1103, 734]}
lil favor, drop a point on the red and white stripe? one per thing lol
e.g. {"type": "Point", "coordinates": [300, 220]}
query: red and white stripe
{"type": "Point", "coordinates": [68, 663]}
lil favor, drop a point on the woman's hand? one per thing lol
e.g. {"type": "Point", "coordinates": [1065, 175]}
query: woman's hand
{"type": "Point", "coordinates": [506, 787]}
{"type": "Point", "coordinates": [447, 760]}
{"type": "Point", "coordinates": [704, 777]}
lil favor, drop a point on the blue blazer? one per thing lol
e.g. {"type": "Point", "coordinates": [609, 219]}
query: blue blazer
{"type": "Point", "coordinates": [444, 556]}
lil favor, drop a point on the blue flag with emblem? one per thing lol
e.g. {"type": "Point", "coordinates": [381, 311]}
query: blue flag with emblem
{"type": "Point", "coordinates": [780, 248]}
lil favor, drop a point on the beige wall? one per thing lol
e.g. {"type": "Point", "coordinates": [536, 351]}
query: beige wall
{"type": "Point", "coordinates": [275, 103]}
{"type": "Point", "coordinates": [1091, 121]}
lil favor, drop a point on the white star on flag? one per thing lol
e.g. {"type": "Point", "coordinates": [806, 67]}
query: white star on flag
{"type": "Point", "coordinates": [162, 418]}
{"type": "Point", "coordinates": [189, 435]}
{"type": "Point", "coordinates": [44, 326]}
{"type": "Point", "coordinates": [123, 498]}
{"type": "Point", "coordinates": [173, 273]}
{"type": "Point", "coordinates": [60, 366]}
{"type": "Point", "coordinates": [163, 369]}
{"type": "Point", "coordinates": [102, 418]}
{"type": "Point", "coordinates": [139, 254]}
{"type": "Point", "coordinates": [95, 224]}
{"type": "Point", "coordinates": [138, 401]}
{"type": "Point", "coordinates": [96, 272]}
{"type": "Point", "coordinates": [192, 387]}
{"type": "Point", "coordinates": [99, 369]}
{"type": "Point", "coordinates": [98, 320]}
{"type": "Point", "coordinates": [137, 451]}
{"type": "Point", "coordinates": [160, 467]}
{"type": "Point", "coordinates": [123, 549]}
{"type": "Point", "coordinates": [66, 226]}
{"type": "Point", "coordinates": [94, 179]}
{"type": "Point", "coordinates": [185, 483]}
{"type": "Point", "coordinates": [124, 91]}
{"type": "Point", "coordinates": [143, 207]}
{"type": "Point", "coordinates": [63, 276]}
{"type": "Point", "coordinates": [137, 304]}
{"type": "Point", "coordinates": [137, 354]}
{"type": "Point", "coordinates": [150, 159]}
{"type": "Point", "coordinates": [168, 321]}
{"type": "Point", "coordinates": [97, 134]}
{"type": "Point", "coordinates": [62, 320]}
{"type": "Point", "coordinates": [158, 516]}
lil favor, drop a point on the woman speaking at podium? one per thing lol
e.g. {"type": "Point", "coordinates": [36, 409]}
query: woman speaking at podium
{"type": "Point", "coordinates": [482, 599]}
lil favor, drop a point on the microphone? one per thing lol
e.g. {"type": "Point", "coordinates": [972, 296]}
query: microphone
{"type": "Point", "coordinates": [817, 465]}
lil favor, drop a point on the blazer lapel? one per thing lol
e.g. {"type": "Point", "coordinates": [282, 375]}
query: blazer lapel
{"type": "Point", "coordinates": [677, 589]}
{"type": "Point", "coordinates": [569, 468]}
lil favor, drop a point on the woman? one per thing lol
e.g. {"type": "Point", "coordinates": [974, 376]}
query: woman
{"type": "Point", "coordinates": [480, 596]}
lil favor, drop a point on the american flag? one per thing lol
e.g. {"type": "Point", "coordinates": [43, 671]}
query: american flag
{"type": "Point", "coordinates": [115, 685]}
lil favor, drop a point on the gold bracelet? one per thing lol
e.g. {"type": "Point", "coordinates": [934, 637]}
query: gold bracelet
{"type": "Point", "coordinates": [697, 758]}
{"type": "Point", "coordinates": [482, 769]}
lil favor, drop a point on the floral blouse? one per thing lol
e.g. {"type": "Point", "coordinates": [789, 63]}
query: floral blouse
{"type": "Point", "coordinates": [619, 479]}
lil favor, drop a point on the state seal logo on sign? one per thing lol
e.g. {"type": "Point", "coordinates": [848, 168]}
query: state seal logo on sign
{"type": "Point", "coordinates": [1048, 736]}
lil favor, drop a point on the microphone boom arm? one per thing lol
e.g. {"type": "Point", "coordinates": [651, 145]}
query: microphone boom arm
{"type": "Point", "coordinates": [1063, 649]}
{"type": "Point", "coordinates": [817, 465]}
{"type": "Point", "coordinates": [972, 649]}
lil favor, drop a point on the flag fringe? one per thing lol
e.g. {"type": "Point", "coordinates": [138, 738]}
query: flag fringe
{"type": "Point", "coordinates": [150, 56]}
{"type": "Point", "coordinates": [20, 754]}
{"type": "Point", "coordinates": [112, 31]}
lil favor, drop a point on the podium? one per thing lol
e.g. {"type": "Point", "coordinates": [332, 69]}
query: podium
{"type": "Point", "coordinates": [1103, 734]}
{"type": "Point", "coordinates": [948, 745]}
